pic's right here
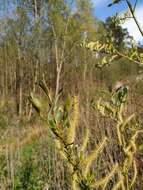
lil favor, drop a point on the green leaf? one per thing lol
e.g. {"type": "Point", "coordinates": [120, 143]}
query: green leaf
{"type": "Point", "coordinates": [44, 87]}
{"type": "Point", "coordinates": [35, 102]}
{"type": "Point", "coordinates": [58, 115]}
{"type": "Point", "coordinates": [114, 2]}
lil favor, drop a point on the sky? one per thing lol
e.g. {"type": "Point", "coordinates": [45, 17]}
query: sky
{"type": "Point", "coordinates": [102, 11]}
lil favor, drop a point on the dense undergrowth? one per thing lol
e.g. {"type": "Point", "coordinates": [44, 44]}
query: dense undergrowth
{"type": "Point", "coordinates": [30, 159]}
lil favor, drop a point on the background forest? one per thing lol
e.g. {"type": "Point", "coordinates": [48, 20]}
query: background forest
{"type": "Point", "coordinates": [47, 44]}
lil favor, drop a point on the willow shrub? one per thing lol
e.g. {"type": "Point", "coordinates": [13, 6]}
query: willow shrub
{"type": "Point", "coordinates": [62, 119]}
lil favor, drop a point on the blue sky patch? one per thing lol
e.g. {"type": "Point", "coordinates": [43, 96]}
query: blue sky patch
{"type": "Point", "coordinates": [102, 11]}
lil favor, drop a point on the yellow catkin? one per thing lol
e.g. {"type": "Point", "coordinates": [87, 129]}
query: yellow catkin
{"type": "Point", "coordinates": [85, 141]}
{"type": "Point", "coordinates": [92, 156]}
{"type": "Point", "coordinates": [60, 148]}
{"type": "Point", "coordinates": [119, 134]}
{"type": "Point", "coordinates": [104, 181]}
{"type": "Point", "coordinates": [74, 182]}
{"type": "Point", "coordinates": [73, 121]}
{"type": "Point", "coordinates": [134, 175]}
{"type": "Point", "coordinates": [118, 185]}
{"type": "Point", "coordinates": [128, 162]}
{"type": "Point", "coordinates": [127, 121]}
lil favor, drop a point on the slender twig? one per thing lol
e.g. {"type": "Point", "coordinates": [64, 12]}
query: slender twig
{"type": "Point", "coordinates": [134, 17]}
{"type": "Point", "coordinates": [135, 5]}
{"type": "Point", "coordinates": [127, 57]}
{"type": "Point", "coordinates": [119, 54]}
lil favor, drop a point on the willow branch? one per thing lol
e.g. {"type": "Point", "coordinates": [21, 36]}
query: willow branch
{"type": "Point", "coordinates": [134, 17]}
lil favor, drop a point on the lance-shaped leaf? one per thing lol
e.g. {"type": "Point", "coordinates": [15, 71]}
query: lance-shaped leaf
{"type": "Point", "coordinates": [114, 2]}
{"type": "Point", "coordinates": [59, 115]}
{"type": "Point", "coordinates": [45, 88]}
{"type": "Point", "coordinates": [35, 103]}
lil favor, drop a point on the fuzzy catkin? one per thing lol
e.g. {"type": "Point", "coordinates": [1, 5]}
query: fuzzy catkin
{"type": "Point", "coordinates": [73, 121]}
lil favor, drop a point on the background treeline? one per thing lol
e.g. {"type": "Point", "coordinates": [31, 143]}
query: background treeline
{"type": "Point", "coordinates": [41, 39]}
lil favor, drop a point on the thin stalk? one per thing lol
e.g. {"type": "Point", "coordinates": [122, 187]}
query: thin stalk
{"type": "Point", "coordinates": [134, 17]}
